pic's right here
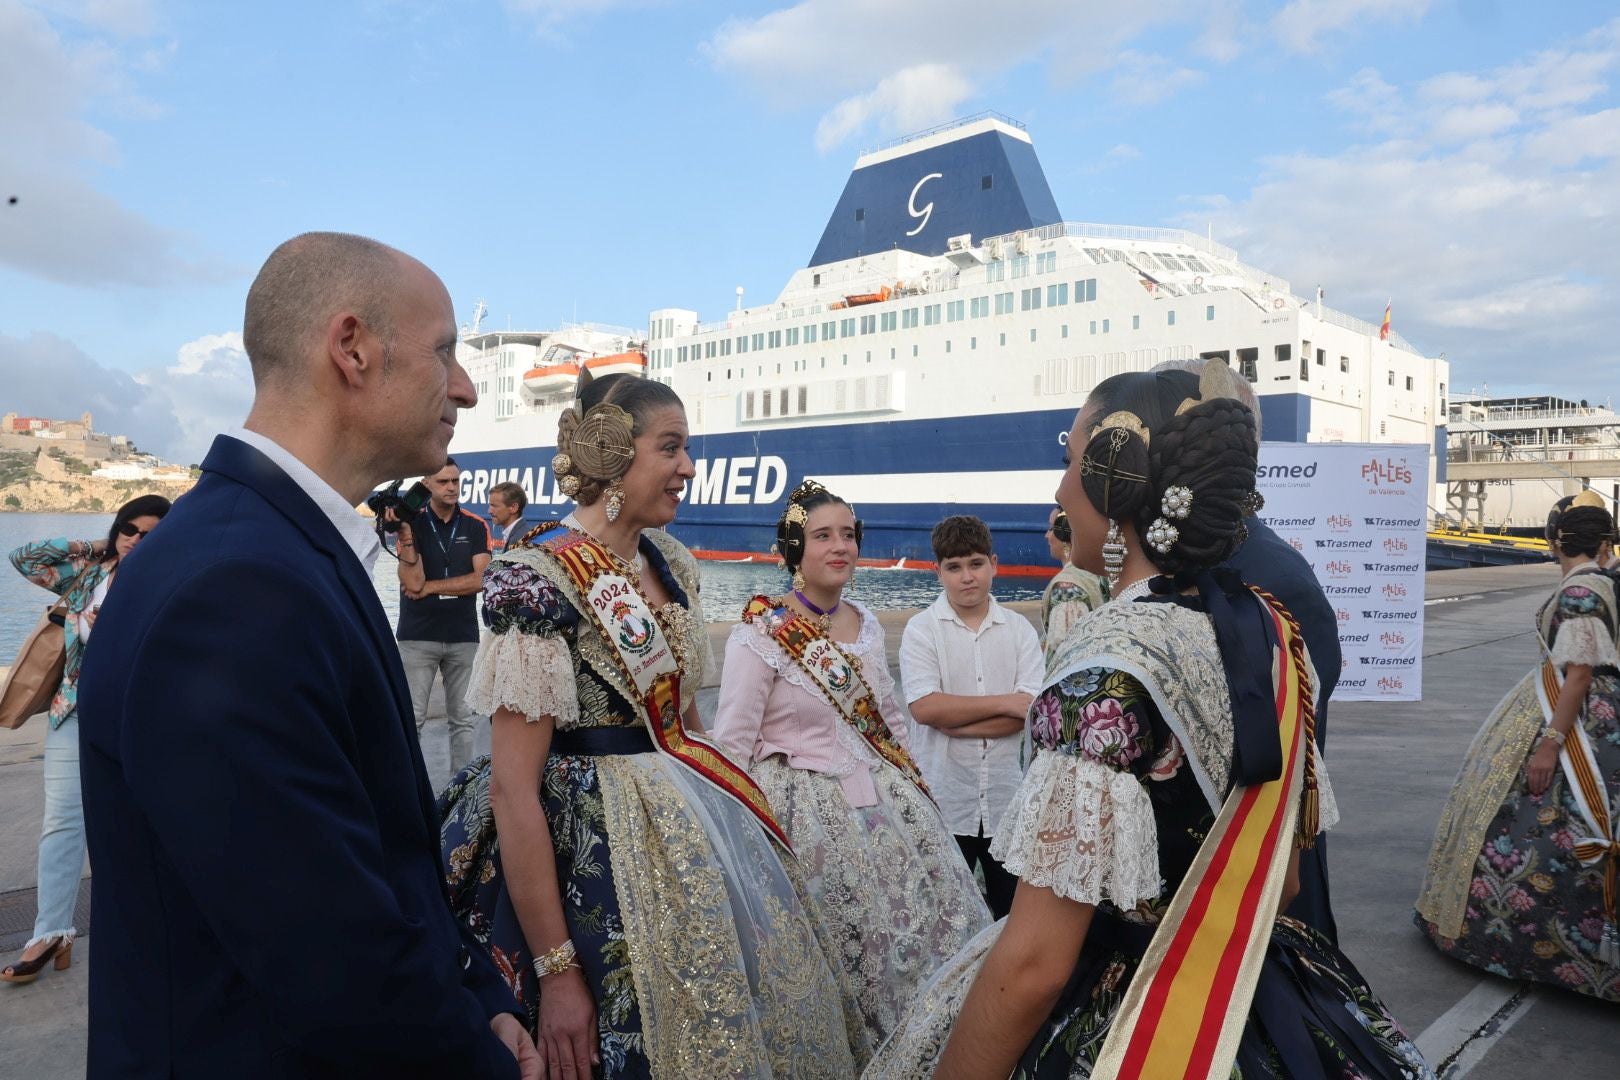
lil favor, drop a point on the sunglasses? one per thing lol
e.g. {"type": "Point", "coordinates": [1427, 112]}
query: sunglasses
{"type": "Point", "coordinates": [129, 528]}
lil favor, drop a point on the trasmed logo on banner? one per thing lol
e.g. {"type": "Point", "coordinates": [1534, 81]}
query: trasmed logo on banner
{"type": "Point", "coordinates": [1359, 514]}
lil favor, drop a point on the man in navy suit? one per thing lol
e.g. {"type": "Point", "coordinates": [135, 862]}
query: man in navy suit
{"type": "Point", "coordinates": [268, 888]}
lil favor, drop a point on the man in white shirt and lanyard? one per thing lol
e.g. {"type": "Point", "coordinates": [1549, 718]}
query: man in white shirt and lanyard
{"type": "Point", "coordinates": [970, 670]}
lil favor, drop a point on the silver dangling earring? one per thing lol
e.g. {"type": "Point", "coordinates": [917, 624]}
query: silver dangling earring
{"type": "Point", "coordinates": [1113, 556]}
{"type": "Point", "coordinates": [798, 580]}
{"type": "Point", "coordinates": [615, 500]}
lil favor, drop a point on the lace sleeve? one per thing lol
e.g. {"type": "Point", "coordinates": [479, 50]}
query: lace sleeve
{"type": "Point", "coordinates": [524, 662]}
{"type": "Point", "coordinates": [1083, 830]}
{"type": "Point", "coordinates": [1582, 631]}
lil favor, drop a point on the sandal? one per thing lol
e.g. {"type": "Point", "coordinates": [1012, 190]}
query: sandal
{"type": "Point", "coordinates": [26, 971]}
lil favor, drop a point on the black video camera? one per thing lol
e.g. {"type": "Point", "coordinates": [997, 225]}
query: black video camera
{"type": "Point", "coordinates": [404, 506]}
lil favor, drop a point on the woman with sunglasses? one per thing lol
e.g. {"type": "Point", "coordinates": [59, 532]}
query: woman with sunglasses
{"type": "Point", "coordinates": [83, 572]}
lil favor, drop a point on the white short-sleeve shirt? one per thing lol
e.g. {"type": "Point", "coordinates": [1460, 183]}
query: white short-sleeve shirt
{"type": "Point", "coordinates": [972, 779]}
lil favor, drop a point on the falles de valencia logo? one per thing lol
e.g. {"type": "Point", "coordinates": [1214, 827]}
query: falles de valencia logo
{"type": "Point", "coordinates": [839, 677]}
{"type": "Point", "coordinates": [635, 633]}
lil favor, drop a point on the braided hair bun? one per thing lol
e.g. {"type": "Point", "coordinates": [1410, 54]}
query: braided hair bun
{"type": "Point", "coordinates": [1579, 524]}
{"type": "Point", "coordinates": [596, 445]}
{"type": "Point", "coordinates": [1211, 450]}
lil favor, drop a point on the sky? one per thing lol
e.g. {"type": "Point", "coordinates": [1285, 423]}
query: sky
{"type": "Point", "coordinates": [594, 160]}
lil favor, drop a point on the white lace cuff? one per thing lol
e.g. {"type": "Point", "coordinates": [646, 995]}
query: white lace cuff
{"type": "Point", "coordinates": [1583, 640]}
{"type": "Point", "coordinates": [1327, 807]}
{"type": "Point", "coordinates": [1083, 830]}
{"type": "Point", "coordinates": [528, 673]}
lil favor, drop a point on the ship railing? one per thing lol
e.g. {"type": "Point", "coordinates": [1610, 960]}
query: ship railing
{"type": "Point", "coordinates": [1464, 455]}
{"type": "Point", "coordinates": [1081, 230]}
{"type": "Point", "coordinates": [606, 328]}
{"type": "Point", "coordinates": [1360, 326]}
{"type": "Point", "coordinates": [988, 114]}
{"type": "Point", "coordinates": [1596, 413]}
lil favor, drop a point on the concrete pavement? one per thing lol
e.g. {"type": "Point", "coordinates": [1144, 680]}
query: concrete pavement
{"type": "Point", "coordinates": [1391, 764]}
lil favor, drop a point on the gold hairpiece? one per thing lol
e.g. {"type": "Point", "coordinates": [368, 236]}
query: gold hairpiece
{"type": "Point", "coordinates": [1122, 421]}
{"type": "Point", "coordinates": [1215, 380]}
{"type": "Point", "coordinates": [1588, 497]}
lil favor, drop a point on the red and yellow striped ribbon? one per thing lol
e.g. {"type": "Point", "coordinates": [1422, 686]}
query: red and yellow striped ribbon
{"type": "Point", "coordinates": [1186, 1008]}
{"type": "Point", "coordinates": [1576, 759]}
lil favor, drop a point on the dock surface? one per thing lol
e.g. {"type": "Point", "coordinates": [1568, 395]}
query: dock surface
{"type": "Point", "coordinates": [1392, 766]}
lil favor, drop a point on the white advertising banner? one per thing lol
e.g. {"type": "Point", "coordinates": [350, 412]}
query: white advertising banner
{"type": "Point", "coordinates": [1358, 512]}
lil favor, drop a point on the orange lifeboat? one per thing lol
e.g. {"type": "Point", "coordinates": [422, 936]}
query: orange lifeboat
{"type": "Point", "coordinates": [869, 298]}
{"type": "Point", "coordinates": [625, 363]}
{"type": "Point", "coordinates": [551, 379]}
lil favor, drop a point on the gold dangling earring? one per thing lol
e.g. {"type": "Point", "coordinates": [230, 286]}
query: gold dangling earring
{"type": "Point", "coordinates": [615, 500]}
{"type": "Point", "coordinates": [798, 580]}
{"type": "Point", "coordinates": [1113, 556]}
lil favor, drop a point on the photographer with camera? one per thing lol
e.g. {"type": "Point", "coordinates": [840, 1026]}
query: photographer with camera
{"type": "Point", "coordinates": [443, 550]}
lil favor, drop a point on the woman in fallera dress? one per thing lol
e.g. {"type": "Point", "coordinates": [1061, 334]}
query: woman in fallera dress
{"type": "Point", "coordinates": [807, 705]}
{"type": "Point", "coordinates": [1524, 873]}
{"type": "Point", "coordinates": [1071, 593]}
{"type": "Point", "coordinates": [640, 896]}
{"type": "Point", "coordinates": [1155, 834]}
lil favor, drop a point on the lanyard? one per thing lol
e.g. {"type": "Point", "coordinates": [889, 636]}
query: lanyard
{"type": "Point", "coordinates": [455, 524]}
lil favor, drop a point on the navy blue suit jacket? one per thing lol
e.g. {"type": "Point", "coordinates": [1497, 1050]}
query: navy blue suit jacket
{"type": "Point", "coordinates": [1266, 560]}
{"type": "Point", "coordinates": [268, 891]}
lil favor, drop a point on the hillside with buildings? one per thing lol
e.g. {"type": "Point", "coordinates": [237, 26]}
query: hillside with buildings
{"type": "Point", "coordinates": [60, 466]}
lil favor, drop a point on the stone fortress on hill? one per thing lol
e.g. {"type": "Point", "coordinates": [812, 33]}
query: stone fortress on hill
{"type": "Point", "coordinates": [62, 466]}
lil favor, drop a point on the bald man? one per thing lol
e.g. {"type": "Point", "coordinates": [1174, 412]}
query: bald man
{"type": "Point", "coordinates": [269, 892]}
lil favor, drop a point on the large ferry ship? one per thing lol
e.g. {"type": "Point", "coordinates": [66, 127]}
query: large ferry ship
{"type": "Point", "coordinates": [930, 357]}
{"type": "Point", "coordinates": [1511, 458]}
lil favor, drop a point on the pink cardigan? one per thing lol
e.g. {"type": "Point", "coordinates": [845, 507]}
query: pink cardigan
{"type": "Point", "coordinates": [768, 705]}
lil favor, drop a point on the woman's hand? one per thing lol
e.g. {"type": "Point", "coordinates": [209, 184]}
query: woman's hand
{"type": "Point", "coordinates": [568, 1037]}
{"type": "Point", "coordinates": [1543, 760]}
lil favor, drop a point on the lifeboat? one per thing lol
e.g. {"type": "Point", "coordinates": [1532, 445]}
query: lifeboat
{"type": "Point", "coordinates": [868, 298]}
{"type": "Point", "coordinates": [551, 379]}
{"type": "Point", "coordinates": [625, 363]}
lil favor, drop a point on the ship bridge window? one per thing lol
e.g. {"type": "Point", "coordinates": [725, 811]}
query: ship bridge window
{"type": "Point", "coordinates": [793, 335]}
{"type": "Point", "coordinates": [1057, 295]}
{"type": "Point", "coordinates": [758, 342]}
{"type": "Point", "coordinates": [979, 307]}
{"type": "Point", "coordinates": [680, 355]}
{"type": "Point", "coordinates": [1283, 353]}
{"type": "Point", "coordinates": [776, 338]}
{"type": "Point", "coordinates": [931, 315]}
{"type": "Point", "coordinates": [1045, 262]}
{"type": "Point", "coordinates": [742, 344]}
{"type": "Point", "coordinates": [1085, 290]}
{"type": "Point", "coordinates": [1249, 364]}
{"type": "Point", "coordinates": [829, 330]}
{"type": "Point", "coordinates": [995, 270]}
{"type": "Point", "coordinates": [1004, 303]}
{"type": "Point", "coordinates": [846, 327]}
{"type": "Point", "coordinates": [1195, 264]}
{"type": "Point", "coordinates": [888, 321]}
{"type": "Point", "coordinates": [868, 324]}
{"type": "Point", "coordinates": [1020, 266]}
{"type": "Point", "coordinates": [1029, 299]}
{"type": "Point", "coordinates": [1144, 260]}
{"type": "Point", "coordinates": [810, 334]}
{"type": "Point", "coordinates": [908, 318]}
{"type": "Point", "coordinates": [954, 310]}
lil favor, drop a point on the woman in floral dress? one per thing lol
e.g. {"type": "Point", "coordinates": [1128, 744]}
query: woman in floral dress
{"type": "Point", "coordinates": [830, 754]}
{"type": "Point", "coordinates": [628, 879]}
{"type": "Point", "coordinates": [1071, 593]}
{"type": "Point", "coordinates": [1155, 834]}
{"type": "Point", "coordinates": [1520, 881]}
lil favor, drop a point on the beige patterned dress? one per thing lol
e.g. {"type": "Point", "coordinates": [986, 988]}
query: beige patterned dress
{"type": "Point", "coordinates": [691, 926]}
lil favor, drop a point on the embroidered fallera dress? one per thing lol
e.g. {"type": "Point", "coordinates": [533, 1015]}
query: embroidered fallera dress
{"type": "Point", "coordinates": [874, 849]}
{"type": "Point", "coordinates": [1505, 891]}
{"type": "Point", "coordinates": [1112, 813]}
{"type": "Point", "coordinates": [691, 928]}
{"type": "Point", "coordinates": [1070, 594]}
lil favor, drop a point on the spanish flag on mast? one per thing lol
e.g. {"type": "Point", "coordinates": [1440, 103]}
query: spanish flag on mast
{"type": "Point", "coordinates": [1383, 331]}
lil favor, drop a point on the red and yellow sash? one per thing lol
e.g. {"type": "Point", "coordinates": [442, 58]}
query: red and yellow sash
{"type": "Point", "coordinates": [839, 677]}
{"type": "Point", "coordinates": [1186, 1008]}
{"type": "Point", "coordinates": [1591, 799]}
{"type": "Point", "coordinates": [639, 644]}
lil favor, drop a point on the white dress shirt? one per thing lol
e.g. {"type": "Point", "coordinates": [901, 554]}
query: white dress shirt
{"type": "Point", "coordinates": [357, 532]}
{"type": "Point", "coordinates": [972, 779]}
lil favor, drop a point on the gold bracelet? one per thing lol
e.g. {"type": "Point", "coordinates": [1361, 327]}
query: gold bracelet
{"type": "Point", "coordinates": [1550, 732]}
{"type": "Point", "coordinates": [557, 960]}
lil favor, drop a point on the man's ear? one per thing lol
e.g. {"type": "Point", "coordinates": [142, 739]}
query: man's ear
{"type": "Point", "coordinates": [353, 349]}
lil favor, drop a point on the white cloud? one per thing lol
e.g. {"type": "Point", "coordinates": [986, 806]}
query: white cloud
{"type": "Point", "coordinates": [61, 227]}
{"type": "Point", "coordinates": [549, 16]}
{"type": "Point", "coordinates": [1303, 23]}
{"type": "Point", "coordinates": [1492, 211]}
{"type": "Point", "coordinates": [912, 98]}
{"type": "Point", "coordinates": [1147, 79]}
{"type": "Point", "coordinates": [173, 411]}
